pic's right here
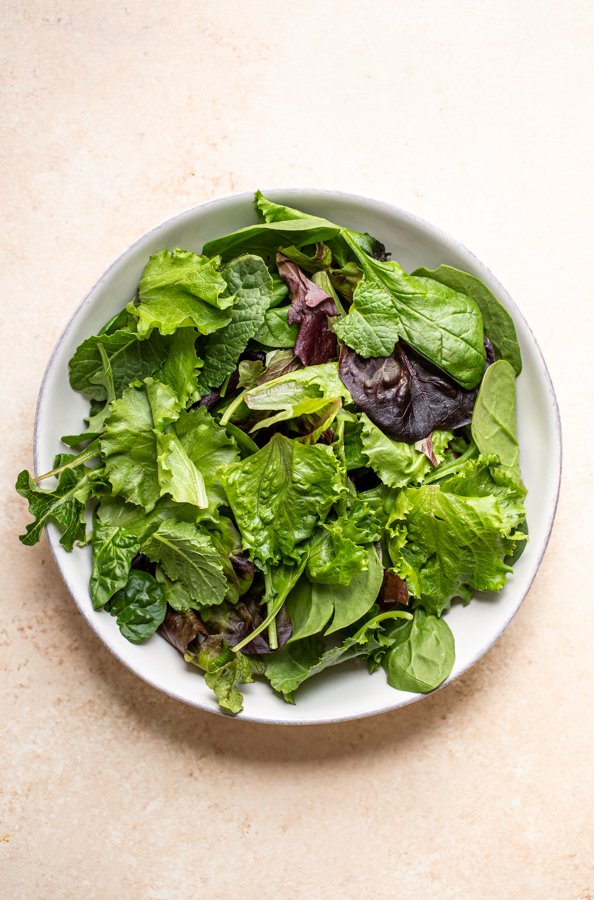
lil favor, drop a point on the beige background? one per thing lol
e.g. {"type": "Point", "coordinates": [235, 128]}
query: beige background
{"type": "Point", "coordinates": [477, 116]}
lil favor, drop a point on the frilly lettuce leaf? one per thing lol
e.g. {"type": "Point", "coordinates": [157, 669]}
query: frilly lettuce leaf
{"type": "Point", "coordinates": [395, 462]}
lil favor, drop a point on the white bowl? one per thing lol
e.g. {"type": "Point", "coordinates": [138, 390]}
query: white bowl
{"type": "Point", "coordinates": [345, 692]}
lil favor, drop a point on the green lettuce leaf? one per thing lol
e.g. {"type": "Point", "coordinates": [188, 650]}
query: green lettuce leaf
{"type": "Point", "coordinates": [333, 557]}
{"type": "Point", "coordinates": [395, 462]}
{"type": "Point", "coordinates": [499, 325]}
{"type": "Point", "coordinates": [139, 607]}
{"type": "Point", "coordinates": [181, 365]}
{"type": "Point", "coordinates": [129, 442]}
{"type": "Point", "coordinates": [279, 494]}
{"type": "Point", "coordinates": [442, 325]}
{"type": "Point", "coordinates": [177, 474]}
{"type": "Point", "coordinates": [179, 289]}
{"type": "Point", "coordinates": [209, 448]}
{"type": "Point", "coordinates": [65, 505]}
{"type": "Point", "coordinates": [422, 654]}
{"type": "Point", "coordinates": [187, 553]}
{"type": "Point", "coordinates": [446, 543]}
{"type": "Point", "coordinates": [113, 552]}
{"type": "Point", "coordinates": [249, 282]}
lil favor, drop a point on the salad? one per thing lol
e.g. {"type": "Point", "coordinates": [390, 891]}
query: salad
{"type": "Point", "coordinates": [296, 454]}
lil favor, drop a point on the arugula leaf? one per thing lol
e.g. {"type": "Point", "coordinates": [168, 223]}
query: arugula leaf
{"type": "Point", "coordinates": [129, 442]}
{"type": "Point", "coordinates": [65, 505]}
{"type": "Point", "coordinates": [113, 552]}
{"type": "Point", "coordinates": [494, 418]}
{"type": "Point", "coordinates": [275, 331]}
{"type": "Point", "coordinates": [224, 670]}
{"type": "Point", "coordinates": [395, 462]}
{"type": "Point", "coordinates": [279, 494]}
{"type": "Point", "coordinates": [179, 289]}
{"type": "Point", "coordinates": [445, 544]}
{"type": "Point", "coordinates": [442, 325]}
{"type": "Point", "coordinates": [187, 554]}
{"type": "Point", "coordinates": [139, 607]}
{"type": "Point", "coordinates": [499, 325]}
{"type": "Point", "coordinates": [422, 654]}
{"type": "Point", "coordinates": [248, 281]}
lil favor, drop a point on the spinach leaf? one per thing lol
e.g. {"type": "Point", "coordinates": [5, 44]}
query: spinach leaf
{"type": "Point", "coordinates": [283, 227]}
{"type": "Point", "coordinates": [276, 331]}
{"type": "Point", "coordinates": [422, 654]}
{"type": "Point", "coordinates": [444, 326]}
{"type": "Point", "coordinates": [310, 607]}
{"type": "Point", "coordinates": [279, 494]}
{"type": "Point", "coordinates": [398, 463]}
{"type": "Point", "coordinates": [113, 552]}
{"type": "Point", "coordinates": [499, 325]}
{"type": "Point", "coordinates": [494, 418]}
{"type": "Point", "coordinates": [139, 607]}
{"type": "Point", "coordinates": [179, 289]}
{"type": "Point", "coordinates": [288, 668]}
{"type": "Point", "coordinates": [65, 505]}
{"type": "Point", "coordinates": [187, 554]}
{"type": "Point", "coordinates": [248, 281]}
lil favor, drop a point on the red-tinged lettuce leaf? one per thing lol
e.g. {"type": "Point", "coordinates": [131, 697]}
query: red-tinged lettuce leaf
{"type": "Point", "coordinates": [405, 395]}
{"type": "Point", "coordinates": [180, 629]}
{"type": "Point", "coordinates": [310, 308]}
{"type": "Point", "coordinates": [234, 622]}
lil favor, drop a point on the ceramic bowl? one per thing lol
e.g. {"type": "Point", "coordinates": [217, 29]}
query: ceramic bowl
{"type": "Point", "coordinates": [346, 692]}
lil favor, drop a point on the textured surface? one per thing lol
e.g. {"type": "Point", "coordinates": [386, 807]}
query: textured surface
{"type": "Point", "coordinates": [476, 116]}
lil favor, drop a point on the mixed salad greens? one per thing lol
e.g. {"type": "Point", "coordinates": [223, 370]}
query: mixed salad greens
{"type": "Point", "coordinates": [296, 454]}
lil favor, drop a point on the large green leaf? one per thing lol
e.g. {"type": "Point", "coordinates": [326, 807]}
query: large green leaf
{"type": "Point", "coordinates": [499, 325]}
{"type": "Point", "coordinates": [444, 326]}
{"type": "Point", "coordinates": [494, 426]}
{"type": "Point", "coordinates": [422, 654]}
{"type": "Point", "coordinates": [280, 493]}
{"type": "Point", "coordinates": [179, 289]}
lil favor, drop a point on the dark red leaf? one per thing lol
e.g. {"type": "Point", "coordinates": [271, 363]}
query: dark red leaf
{"type": "Point", "coordinates": [310, 307]}
{"type": "Point", "coordinates": [393, 590]}
{"type": "Point", "coordinates": [180, 629]}
{"type": "Point", "coordinates": [405, 395]}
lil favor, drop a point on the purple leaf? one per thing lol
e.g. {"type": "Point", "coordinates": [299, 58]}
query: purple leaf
{"type": "Point", "coordinates": [310, 307]}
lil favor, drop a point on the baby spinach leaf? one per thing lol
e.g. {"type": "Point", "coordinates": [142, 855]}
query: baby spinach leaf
{"type": "Point", "coordinates": [65, 505]}
{"type": "Point", "coordinates": [179, 289]}
{"type": "Point", "coordinates": [283, 227]}
{"type": "Point", "coordinates": [422, 654]}
{"type": "Point", "coordinates": [248, 281]}
{"type": "Point", "coordinates": [444, 326]}
{"type": "Point", "coordinates": [187, 554]}
{"type": "Point", "coordinates": [398, 463]}
{"type": "Point", "coordinates": [309, 609]}
{"type": "Point", "coordinates": [279, 494]}
{"type": "Point", "coordinates": [276, 331]}
{"type": "Point", "coordinates": [139, 607]}
{"type": "Point", "coordinates": [499, 325]}
{"type": "Point", "coordinates": [404, 395]}
{"type": "Point", "coordinates": [494, 418]}
{"type": "Point", "coordinates": [113, 552]}
{"type": "Point", "coordinates": [353, 601]}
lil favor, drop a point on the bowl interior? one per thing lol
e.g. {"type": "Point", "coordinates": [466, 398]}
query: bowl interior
{"type": "Point", "coordinates": [347, 691]}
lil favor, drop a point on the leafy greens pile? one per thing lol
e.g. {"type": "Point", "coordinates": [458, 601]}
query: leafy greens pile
{"type": "Point", "coordinates": [296, 454]}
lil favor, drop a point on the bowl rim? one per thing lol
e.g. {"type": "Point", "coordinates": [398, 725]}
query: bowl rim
{"type": "Point", "coordinates": [406, 217]}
